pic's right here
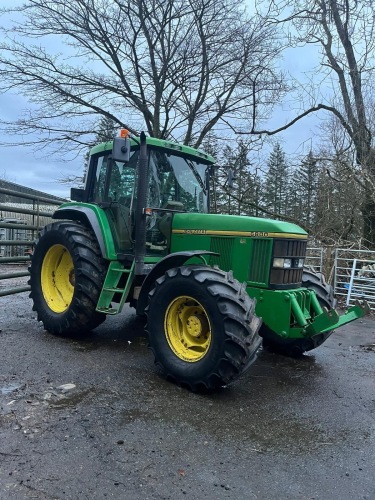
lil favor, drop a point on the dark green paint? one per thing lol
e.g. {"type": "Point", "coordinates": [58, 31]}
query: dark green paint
{"type": "Point", "coordinates": [219, 222]}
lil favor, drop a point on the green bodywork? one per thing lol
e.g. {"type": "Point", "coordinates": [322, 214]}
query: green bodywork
{"type": "Point", "coordinates": [236, 239]}
{"type": "Point", "coordinates": [245, 247]}
{"type": "Point", "coordinates": [103, 222]}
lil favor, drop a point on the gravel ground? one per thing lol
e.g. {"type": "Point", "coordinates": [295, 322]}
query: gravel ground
{"type": "Point", "coordinates": [92, 418]}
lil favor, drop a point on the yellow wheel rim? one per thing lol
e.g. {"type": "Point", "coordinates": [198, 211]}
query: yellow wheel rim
{"type": "Point", "coordinates": [57, 278]}
{"type": "Point", "coordinates": [187, 329]}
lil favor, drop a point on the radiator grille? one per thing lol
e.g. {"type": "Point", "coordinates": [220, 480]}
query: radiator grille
{"type": "Point", "coordinates": [289, 248]}
{"type": "Point", "coordinates": [259, 265]}
{"type": "Point", "coordinates": [223, 246]}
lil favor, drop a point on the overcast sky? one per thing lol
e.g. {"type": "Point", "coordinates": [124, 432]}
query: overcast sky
{"type": "Point", "coordinates": [41, 171]}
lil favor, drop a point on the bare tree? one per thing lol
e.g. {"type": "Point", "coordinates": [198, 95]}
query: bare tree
{"type": "Point", "coordinates": [344, 30]}
{"type": "Point", "coordinates": [105, 131]}
{"type": "Point", "coordinates": [179, 68]}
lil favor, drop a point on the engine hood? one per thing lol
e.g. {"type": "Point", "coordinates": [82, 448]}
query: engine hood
{"type": "Point", "coordinates": [234, 225]}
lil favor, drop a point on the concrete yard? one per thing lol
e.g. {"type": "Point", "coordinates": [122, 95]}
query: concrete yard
{"type": "Point", "coordinates": [289, 429]}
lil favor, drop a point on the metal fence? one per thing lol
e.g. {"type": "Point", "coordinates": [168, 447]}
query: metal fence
{"type": "Point", "coordinates": [314, 257]}
{"type": "Point", "coordinates": [21, 216]}
{"type": "Point", "coordinates": [354, 275]}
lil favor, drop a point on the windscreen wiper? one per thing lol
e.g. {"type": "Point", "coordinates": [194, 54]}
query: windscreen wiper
{"type": "Point", "coordinates": [196, 175]}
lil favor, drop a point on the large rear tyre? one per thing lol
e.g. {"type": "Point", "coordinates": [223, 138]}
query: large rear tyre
{"type": "Point", "coordinates": [202, 327]}
{"type": "Point", "coordinates": [316, 281]}
{"type": "Point", "coordinates": [66, 276]}
{"type": "Point", "coordinates": [324, 292]}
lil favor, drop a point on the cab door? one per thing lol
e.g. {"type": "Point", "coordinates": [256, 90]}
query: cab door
{"type": "Point", "coordinates": [114, 190]}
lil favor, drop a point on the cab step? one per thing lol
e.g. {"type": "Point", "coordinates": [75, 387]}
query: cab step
{"type": "Point", "coordinates": [115, 271]}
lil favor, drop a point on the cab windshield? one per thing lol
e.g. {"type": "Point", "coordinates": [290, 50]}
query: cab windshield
{"type": "Point", "coordinates": [176, 182]}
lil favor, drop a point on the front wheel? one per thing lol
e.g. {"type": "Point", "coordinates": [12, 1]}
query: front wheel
{"type": "Point", "coordinates": [66, 276]}
{"type": "Point", "coordinates": [202, 327]}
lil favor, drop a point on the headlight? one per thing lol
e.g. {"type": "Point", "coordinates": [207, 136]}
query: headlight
{"type": "Point", "coordinates": [282, 263]}
{"type": "Point", "coordinates": [286, 263]}
{"type": "Point", "coordinates": [278, 263]}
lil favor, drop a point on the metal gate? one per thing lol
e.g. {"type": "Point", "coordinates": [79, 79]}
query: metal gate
{"type": "Point", "coordinates": [21, 216]}
{"type": "Point", "coordinates": [354, 275]}
{"type": "Point", "coordinates": [314, 257]}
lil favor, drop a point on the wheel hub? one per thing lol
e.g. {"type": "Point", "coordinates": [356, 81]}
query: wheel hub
{"type": "Point", "coordinates": [197, 325]}
{"type": "Point", "coordinates": [58, 278]}
{"type": "Point", "coordinates": [187, 329]}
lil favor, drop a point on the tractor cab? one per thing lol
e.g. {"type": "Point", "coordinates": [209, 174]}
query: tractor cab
{"type": "Point", "coordinates": [177, 181]}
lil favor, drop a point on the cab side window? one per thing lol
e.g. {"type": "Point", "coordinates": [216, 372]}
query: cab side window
{"type": "Point", "coordinates": [99, 194]}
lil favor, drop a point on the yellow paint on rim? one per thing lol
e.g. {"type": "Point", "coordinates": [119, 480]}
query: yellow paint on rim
{"type": "Point", "coordinates": [248, 234]}
{"type": "Point", "coordinates": [57, 278]}
{"type": "Point", "coordinates": [187, 329]}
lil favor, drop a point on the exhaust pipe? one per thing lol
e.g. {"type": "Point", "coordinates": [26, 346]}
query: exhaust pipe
{"type": "Point", "coordinates": [140, 217]}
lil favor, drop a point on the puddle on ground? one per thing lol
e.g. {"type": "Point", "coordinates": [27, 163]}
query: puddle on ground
{"type": "Point", "coordinates": [256, 427]}
{"type": "Point", "coordinates": [9, 388]}
{"type": "Point", "coordinates": [70, 399]}
{"type": "Point", "coordinates": [138, 342]}
{"type": "Point", "coordinates": [368, 347]}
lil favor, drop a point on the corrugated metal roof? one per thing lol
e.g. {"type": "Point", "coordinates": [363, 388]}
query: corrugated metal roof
{"type": "Point", "coordinates": [23, 189]}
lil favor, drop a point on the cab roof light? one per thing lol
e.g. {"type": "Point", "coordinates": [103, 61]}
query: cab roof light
{"type": "Point", "coordinates": [124, 133]}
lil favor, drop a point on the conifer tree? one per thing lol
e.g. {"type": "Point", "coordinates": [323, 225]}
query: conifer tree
{"type": "Point", "coordinates": [242, 198]}
{"type": "Point", "coordinates": [306, 182]}
{"type": "Point", "coordinates": [276, 184]}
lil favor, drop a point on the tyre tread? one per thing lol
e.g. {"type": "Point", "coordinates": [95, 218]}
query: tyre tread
{"type": "Point", "coordinates": [90, 271]}
{"type": "Point", "coordinates": [240, 325]}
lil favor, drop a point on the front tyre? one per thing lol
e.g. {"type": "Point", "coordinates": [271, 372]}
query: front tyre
{"type": "Point", "coordinates": [202, 327]}
{"type": "Point", "coordinates": [66, 276]}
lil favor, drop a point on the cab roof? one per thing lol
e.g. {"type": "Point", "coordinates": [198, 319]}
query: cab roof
{"type": "Point", "coordinates": [172, 147]}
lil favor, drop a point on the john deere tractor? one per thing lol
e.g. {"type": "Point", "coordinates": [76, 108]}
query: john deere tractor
{"type": "Point", "coordinates": [140, 232]}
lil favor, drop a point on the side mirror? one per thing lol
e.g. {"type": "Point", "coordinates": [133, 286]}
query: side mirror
{"type": "Point", "coordinates": [121, 149]}
{"type": "Point", "coordinates": [77, 194]}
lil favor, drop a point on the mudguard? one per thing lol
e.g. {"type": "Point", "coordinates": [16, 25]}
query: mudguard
{"type": "Point", "coordinates": [94, 218]}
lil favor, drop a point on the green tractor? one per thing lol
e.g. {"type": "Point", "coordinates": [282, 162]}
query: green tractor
{"type": "Point", "coordinates": [212, 286]}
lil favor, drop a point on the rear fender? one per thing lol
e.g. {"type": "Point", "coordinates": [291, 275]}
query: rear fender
{"type": "Point", "coordinates": [94, 218]}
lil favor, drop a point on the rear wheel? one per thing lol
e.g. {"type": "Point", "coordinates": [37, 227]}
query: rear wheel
{"type": "Point", "coordinates": [66, 276]}
{"type": "Point", "coordinates": [315, 281]}
{"type": "Point", "coordinates": [202, 327]}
